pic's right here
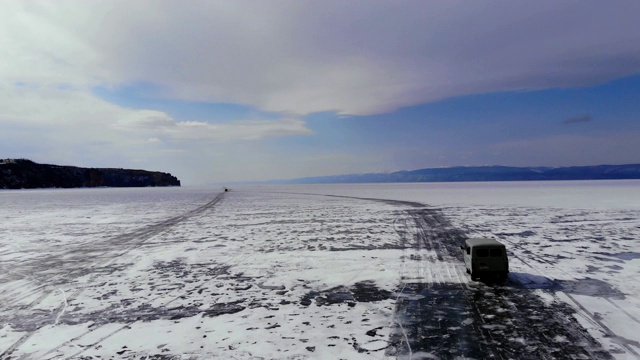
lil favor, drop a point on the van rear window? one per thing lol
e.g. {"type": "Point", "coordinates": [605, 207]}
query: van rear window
{"type": "Point", "coordinates": [496, 252]}
{"type": "Point", "coordinates": [482, 252]}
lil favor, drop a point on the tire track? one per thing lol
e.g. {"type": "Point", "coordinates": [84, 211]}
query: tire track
{"type": "Point", "coordinates": [403, 234]}
{"type": "Point", "coordinates": [635, 319]}
{"type": "Point", "coordinates": [585, 312]}
{"type": "Point", "coordinates": [481, 320]}
{"type": "Point", "coordinates": [218, 270]}
{"type": "Point", "coordinates": [452, 318]}
{"type": "Point", "coordinates": [111, 250]}
{"type": "Point", "coordinates": [228, 263]}
{"type": "Point", "coordinates": [546, 334]}
{"type": "Point", "coordinates": [106, 251]}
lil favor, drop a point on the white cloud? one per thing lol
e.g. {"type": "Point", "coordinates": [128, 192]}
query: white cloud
{"type": "Point", "coordinates": [286, 56]}
{"type": "Point", "coordinates": [50, 106]}
{"type": "Point", "coordinates": [355, 57]}
{"type": "Point", "coordinates": [72, 127]}
{"type": "Point", "coordinates": [161, 125]}
{"type": "Point", "coordinates": [144, 120]}
{"type": "Point", "coordinates": [38, 47]}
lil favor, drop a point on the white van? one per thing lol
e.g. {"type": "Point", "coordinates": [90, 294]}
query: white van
{"type": "Point", "coordinates": [485, 257]}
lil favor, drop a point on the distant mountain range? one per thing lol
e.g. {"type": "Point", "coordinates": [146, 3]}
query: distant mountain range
{"type": "Point", "coordinates": [481, 173]}
{"type": "Point", "coordinates": [26, 174]}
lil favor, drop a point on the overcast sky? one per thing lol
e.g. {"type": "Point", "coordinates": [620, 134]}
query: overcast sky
{"type": "Point", "coordinates": [216, 91]}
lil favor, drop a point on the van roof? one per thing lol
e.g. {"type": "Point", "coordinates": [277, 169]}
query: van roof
{"type": "Point", "coordinates": [483, 242]}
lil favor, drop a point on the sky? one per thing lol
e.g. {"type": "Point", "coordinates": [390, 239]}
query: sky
{"type": "Point", "coordinates": [223, 91]}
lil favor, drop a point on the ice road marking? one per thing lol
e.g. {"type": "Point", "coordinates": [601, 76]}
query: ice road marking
{"type": "Point", "coordinates": [404, 333]}
{"type": "Point", "coordinates": [66, 304]}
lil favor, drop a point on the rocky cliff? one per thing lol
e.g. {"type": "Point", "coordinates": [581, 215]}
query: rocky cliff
{"type": "Point", "coordinates": [26, 174]}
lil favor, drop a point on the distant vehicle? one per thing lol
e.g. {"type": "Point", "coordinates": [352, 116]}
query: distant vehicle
{"type": "Point", "coordinates": [226, 189]}
{"type": "Point", "coordinates": [485, 258]}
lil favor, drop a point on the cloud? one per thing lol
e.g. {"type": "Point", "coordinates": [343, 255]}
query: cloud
{"type": "Point", "coordinates": [144, 120]}
{"type": "Point", "coordinates": [577, 119]}
{"type": "Point", "coordinates": [286, 57]}
{"type": "Point", "coordinates": [160, 125]}
{"type": "Point", "coordinates": [299, 57]}
{"type": "Point", "coordinates": [238, 130]}
{"type": "Point", "coordinates": [50, 106]}
{"type": "Point", "coordinates": [49, 124]}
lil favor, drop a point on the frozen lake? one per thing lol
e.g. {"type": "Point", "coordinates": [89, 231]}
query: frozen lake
{"type": "Point", "coordinates": [319, 271]}
{"type": "Point", "coordinates": [604, 194]}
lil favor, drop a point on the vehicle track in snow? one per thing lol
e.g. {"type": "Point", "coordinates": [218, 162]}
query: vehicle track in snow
{"type": "Point", "coordinates": [458, 318]}
{"type": "Point", "coordinates": [94, 261]}
{"type": "Point", "coordinates": [446, 315]}
{"type": "Point", "coordinates": [588, 315]}
{"type": "Point", "coordinates": [438, 311]}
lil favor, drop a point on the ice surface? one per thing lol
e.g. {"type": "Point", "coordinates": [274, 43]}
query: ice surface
{"type": "Point", "coordinates": [275, 272]}
{"type": "Point", "coordinates": [589, 194]}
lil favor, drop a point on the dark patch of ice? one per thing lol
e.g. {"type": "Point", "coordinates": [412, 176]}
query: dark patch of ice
{"type": "Point", "coordinates": [527, 233]}
{"type": "Point", "coordinates": [600, 258]}
{"type": "Point", "coordinates": [364, 291]}
{"type": "Point", "coordinates": [367, 291]}
{"type": "Point", "coordinates": [452, 321]}
{"type": "Point", "coordinates": [592, 269]}
{"type": "Point", "coordinates": [563, 240]}
{"type": "Point", "coordinates": [270, 287]}
{"type": "Point", "coordinates": [530, 281]}
{"type": "Point", "coordinates": [590, 287]}
{"type": "Point", "coordinates": [626, 255]}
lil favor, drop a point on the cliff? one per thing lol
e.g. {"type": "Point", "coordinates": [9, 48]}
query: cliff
{"type": "Point", "coordinates": [26, 174]}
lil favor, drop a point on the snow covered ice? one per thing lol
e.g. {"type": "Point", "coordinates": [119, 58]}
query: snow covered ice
{"type": "Point", "coordinates": [327, 272]}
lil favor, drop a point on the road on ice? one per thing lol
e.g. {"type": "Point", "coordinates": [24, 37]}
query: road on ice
{"type": "Point", "coordinates": [259, 274]}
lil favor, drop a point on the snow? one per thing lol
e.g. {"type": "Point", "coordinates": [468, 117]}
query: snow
{"type": "Point", "coordinates": [601, 194]}
{"type": "Point", "coordinates": [274, 272]}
